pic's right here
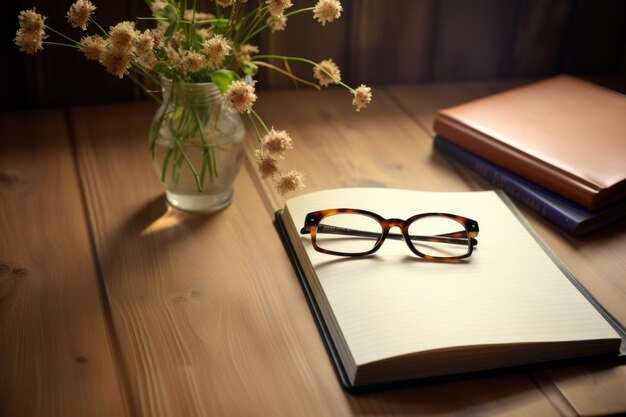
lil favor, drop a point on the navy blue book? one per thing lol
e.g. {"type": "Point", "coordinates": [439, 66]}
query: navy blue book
{"type": "Point", "coordinates": [570, 217]}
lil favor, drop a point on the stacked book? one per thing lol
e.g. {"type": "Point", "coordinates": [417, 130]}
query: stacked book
{"type": "Point", "coordinates": [558, 146]}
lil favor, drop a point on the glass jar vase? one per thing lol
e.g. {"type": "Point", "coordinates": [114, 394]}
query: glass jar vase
{"type": "Point", "coordinates": [196, 146]}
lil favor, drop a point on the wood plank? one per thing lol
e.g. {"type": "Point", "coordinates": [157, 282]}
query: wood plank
{"type": "Point", "coordinates": [406, 56]}
{"type": "Point", "coordinates": [474, 40]}
{"type": "Point", "coordinates": [56, 356]}
{"type": "Point", "coordinates": [540, 37]}
{"type": "Point", "coordinates": [423, 101]}
{"type": "Point", "coordinates": [593, 390]}
{"type": "Point", "coordinates": [210, 317]}
{"type": "Point", "coordinates": [596, 260]}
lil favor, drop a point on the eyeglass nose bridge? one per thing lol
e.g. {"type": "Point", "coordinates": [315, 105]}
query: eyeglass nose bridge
{"type": "Point", "coordinates": [389, 224]}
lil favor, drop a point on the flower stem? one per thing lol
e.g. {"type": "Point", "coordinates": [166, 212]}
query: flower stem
{"type": "Point", "coordinates": [218, 11]}
{"type": "Point", "coordinates": [256, 129]}
{"type": "Point", "coordinates": [61, 44]}
{"type": "Point", "coordinates": [196, 177]}
{"type": "Point", "coordinates": [213, 162]}
{"type": "Point", "coordinates": [62, 35]}
{"type": "Point", "coordinates": [165, 161]}
{"type": "Point", "coordinates": [308, 61]}
{"type": "Point", "coordinates": [104, 32]}
{"type": "Point", "coordinates": [208, 152]}
{"type": "Point", "coordinates": [262, 28]}
{"type": "Point", "coordinates": [205, 158]}
{"type": "Point", "coordinates": [145, 89]}
{"type": "Point", "coordinates": [250, 21]}
{"type": "Point", "coordinates": [147, 74]}
{"type": "Point", "coordinates": [260, 120]}
{"type": "Point", "coordinates": [255, 24]}
{"type": "Point", "coordinates": [286, 73]}
{"type": "Point", "coordinates": [151, 18]}
{"type": "Point", "coordinates": [306, 9]}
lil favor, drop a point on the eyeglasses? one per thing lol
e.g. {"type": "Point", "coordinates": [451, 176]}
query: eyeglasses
{"type": "Point", "coordinates": [353, 232]}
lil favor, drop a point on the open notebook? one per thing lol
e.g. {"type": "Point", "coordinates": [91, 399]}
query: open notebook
{"type": "Point", "coordinates": [393, 316]}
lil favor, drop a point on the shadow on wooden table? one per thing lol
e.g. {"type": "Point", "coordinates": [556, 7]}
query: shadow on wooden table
{"type": "Point", "coordinates": [158, 216]}
{"type": "Point", "coordinates": [462, 396]}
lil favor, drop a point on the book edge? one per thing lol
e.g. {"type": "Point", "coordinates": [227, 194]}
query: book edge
{"type": "Point", "coordinates": [318, 317]}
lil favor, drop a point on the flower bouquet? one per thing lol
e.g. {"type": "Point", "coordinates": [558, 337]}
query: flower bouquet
{"type": "Point", "coordinates": [180, 45]}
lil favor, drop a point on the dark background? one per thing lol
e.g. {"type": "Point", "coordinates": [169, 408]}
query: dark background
{"type": "Point", "coordinates": [376, 42]}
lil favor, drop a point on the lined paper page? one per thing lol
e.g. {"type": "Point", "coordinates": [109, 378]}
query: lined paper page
{"type": "Point", "coordinates": [394, 303]}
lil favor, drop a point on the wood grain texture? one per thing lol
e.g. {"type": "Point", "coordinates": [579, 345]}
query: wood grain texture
{"type": "Point", "coordinates": [374, 42]}
{"type": "Point", "coordinates": [596, 260]}
{"type": "Point", "coordinates": [56, 356]}
{"type": "Point", "coordinates": [403, 45]}
{"type": "Point", "coordinates": [540, 33]}
{"type": "Point", "coordinates": [423, 101]}
{"type": "Point", "coordinates": [474, 40]}
{"type": "Point", "coordinates": [210, 317]}
{"type": "Point", "coordinates": [337, 147]}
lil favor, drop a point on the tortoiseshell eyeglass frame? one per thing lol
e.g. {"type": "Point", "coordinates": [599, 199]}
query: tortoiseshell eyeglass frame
{"type": "Point", "coordinates": [465, 237]}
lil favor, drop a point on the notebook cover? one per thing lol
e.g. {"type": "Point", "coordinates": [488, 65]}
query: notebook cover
{"type": "Point", "coordinates": [567, 215]}
{"type": "Point", "coordinates": [342, 375]}
{"type": "Point", "coordinates": [563, 133]}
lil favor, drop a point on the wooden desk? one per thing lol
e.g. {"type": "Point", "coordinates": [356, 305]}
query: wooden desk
{"type": "Point", "coordinates": [111, 304]}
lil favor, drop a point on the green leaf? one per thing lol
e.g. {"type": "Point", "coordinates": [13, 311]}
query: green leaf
{"type": "Point", "coordinates": [220, 25]}
{"type": "Point", "coordinates": [171, 13]}
{"type": "Point", "coordinates": [223, 78]}
{"type": "Point", "coordinates": [160, 68]}
{"type": "Point", "coordinates": [170, 30]}
{"type": "Point", "coordinates": [201, 76]}
{"type": "Point", "coordinates": [195, 40]}
{"type": "Point", "coordinates": [177, 113]}
{"type": "Point", "coordinates": [249, 68]}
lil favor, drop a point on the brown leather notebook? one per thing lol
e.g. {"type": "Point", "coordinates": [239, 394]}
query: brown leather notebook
{"type": "Point", "coordinates": [563, 133]}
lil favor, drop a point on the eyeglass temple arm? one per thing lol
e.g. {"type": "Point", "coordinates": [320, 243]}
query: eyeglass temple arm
{"type": "Point", "coordinates": [452, 237]}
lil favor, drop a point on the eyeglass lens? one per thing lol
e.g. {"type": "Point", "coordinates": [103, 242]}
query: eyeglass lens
{"type": "Point", "coordinates": [441, 232]}
{"type": "Point", "coordinates": [348, 233]}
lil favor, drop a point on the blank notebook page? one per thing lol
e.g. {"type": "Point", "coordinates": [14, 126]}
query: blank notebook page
{"type": "Point", "coordinates": [395, 303]}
